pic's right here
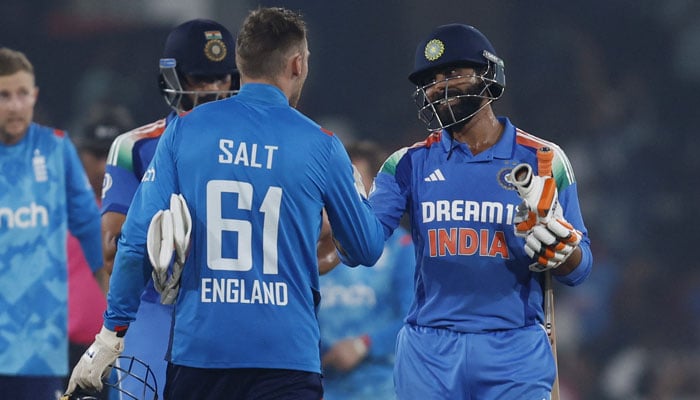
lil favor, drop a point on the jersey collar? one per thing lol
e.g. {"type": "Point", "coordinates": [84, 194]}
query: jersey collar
{"type": "Point", "coordinates": [263, 93]}
{"type": "Point", "coordinates": [503, 149]}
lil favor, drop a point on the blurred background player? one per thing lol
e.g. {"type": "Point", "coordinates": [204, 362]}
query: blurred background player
{"type": "Point", "coordinates": [362, 309]}
{"type": "Point", "coordinates": [475, 328]}
{"type": "Point", "coordinates": [44, 193]}
{"type": "Point", "coordinates": [197, 66]}
{"type": "Point", "coordinates": [86, 300]}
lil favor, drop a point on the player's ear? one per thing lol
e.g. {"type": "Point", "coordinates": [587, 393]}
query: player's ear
{"type": "Point", "coordinates": [297, 65]}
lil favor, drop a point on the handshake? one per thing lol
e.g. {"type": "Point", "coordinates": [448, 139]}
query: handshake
{"type": "Point", "coordinates": [549, 238]}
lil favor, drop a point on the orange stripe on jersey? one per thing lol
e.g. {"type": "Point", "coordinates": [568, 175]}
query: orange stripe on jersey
{"type": "Point", "coordinates": [326, 131]}
{"type": "Point", "coordinates": [561, 168]}
{"type": "Point", "coordinates": [529, 140]}
{"type": "Point", "coordinates": [150, 130]}
{"type": "Point", "coordinates": [430, 140]}
{"type": "Point", "coordinates": [59, 132]}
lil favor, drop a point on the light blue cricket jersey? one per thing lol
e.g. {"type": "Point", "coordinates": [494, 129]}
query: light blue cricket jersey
{"type": "Point", "coordinates": [373, 302]}
{"type": "Point", "coordinates": [256, 174]}
{"type": "Point", "coordinates": [44, 191]}
{"type": "Point", "coordinates": [471, 270]}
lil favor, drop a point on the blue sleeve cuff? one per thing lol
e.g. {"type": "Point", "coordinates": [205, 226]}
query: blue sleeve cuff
{"type": "Point", "coordinates": [578, 275]}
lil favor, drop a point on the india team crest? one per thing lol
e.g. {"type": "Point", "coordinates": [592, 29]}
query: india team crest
{"type": "Point", "coordinates": [434, 49]}
{"type": "Point", "coordinates": [502, 178]}
{"type": "Point", "coordinates": [215, 48]}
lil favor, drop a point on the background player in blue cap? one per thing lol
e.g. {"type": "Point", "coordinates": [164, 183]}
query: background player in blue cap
{"type": "Point", "coordinates": [198, 66]}
{"type": "Point", "coordinates": [255, 175]}
{"type": "Point", "coordinates": [475, 328]}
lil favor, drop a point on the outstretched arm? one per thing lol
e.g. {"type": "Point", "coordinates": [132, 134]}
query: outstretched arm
{"type": "Point", "coordinates": [111, 230]}
{"type": "Point", "coordinates": [325, 249]}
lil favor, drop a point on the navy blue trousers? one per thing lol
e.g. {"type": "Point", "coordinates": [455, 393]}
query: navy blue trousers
{"type": "Point", "coordinates": [187, 383]}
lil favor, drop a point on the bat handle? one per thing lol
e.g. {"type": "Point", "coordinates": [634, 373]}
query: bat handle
{"type": "Point", "coordinates": [545, 155]}
{"type": "Point", "coordinates": [548, 304]}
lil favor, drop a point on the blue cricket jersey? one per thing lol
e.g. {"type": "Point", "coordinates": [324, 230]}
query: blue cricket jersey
{"type": "Point", "coordinates": [44, 192]}
{"type": "Point", "coordinates": [129, 157]}
{"type": "Point", "coordinates": [256, 175]}
{"type": "Point", "coordinates": [127, 162]}
{"type": "Point", "coordinates": [471, 270]}
{"type": "Point", "coordinates": [373, 302]}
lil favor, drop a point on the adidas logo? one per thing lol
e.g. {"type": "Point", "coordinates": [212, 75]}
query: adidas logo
{"type": "Point", "coordinates": [435, 176]}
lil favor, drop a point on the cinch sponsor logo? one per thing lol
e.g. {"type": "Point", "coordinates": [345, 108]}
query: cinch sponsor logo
{"type": "Point", "coordinates": [24, 217]}
{"type": "Point", "coordinates": [357, 295]}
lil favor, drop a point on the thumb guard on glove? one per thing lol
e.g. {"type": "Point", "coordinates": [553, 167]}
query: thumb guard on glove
{"type": "Point", "coordinates": [538, 192]}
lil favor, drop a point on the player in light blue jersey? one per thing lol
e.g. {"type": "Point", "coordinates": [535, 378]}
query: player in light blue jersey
{"type": "Point", "coordinates": [197, 66]}
{"type": "Point", "coordinates": [255, 174]}
{"type": "Point", "coordinates": [363, 309]}
{"type": "Point", "coordinates": [44, 193]}
{"type": "Point", "coordinates": [475, 328]}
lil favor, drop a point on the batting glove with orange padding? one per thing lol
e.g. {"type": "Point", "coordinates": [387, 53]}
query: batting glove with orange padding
{"type": "Point", "coordinates": [538, 192]}
{"type": "Point", "coordinates": [551, 244]}
{"type": "Point", "coordinates": [524, 220]}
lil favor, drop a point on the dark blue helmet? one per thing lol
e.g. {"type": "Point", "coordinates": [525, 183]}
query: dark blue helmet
{"type": "Point", "coordinates": [456, 44]}
{"type": "Point", "coordinates": [453, 46]}
{"type": "Point", "coordinates": [202, 48]}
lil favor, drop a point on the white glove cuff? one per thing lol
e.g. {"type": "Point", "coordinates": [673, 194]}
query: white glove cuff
{"type": "Point", "coordinates": [109, 339]}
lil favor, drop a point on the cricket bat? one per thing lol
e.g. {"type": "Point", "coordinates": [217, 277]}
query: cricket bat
{"type": "Point", "coordinates": [544, 168]}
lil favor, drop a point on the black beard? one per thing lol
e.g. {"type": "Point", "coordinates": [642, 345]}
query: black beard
{"type": "Point", "coordinates": [186, 102]}
{"type": "Point", "coordinates": [466, 106]}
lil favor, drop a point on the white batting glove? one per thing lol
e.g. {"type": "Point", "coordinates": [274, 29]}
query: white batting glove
{"type": "Point", "coordinates": [538, 192]}
{"type": "Point", "coordinates": [551, 244]}
{"type": "Point", "coordinates": [169, 236]}
{"type": "Point", "coordinates": [524, 220]}
{"type": "Point", "coordinates": [96, 363]}
{"type": "Point", "coordinates": [549, 238]}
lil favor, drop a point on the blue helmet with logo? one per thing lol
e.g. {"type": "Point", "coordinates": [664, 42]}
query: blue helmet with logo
{"type": "Point", "coordinates": [202, 48]}
{"type": "Point", "coordinates": [455, 46]}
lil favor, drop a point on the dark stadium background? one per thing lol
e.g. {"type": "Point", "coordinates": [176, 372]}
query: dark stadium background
{"type": "Point", "coordinates": [613, 82]}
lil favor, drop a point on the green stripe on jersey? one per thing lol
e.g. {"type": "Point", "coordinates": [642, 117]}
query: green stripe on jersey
{"type": "Point", "coordinates": [390, 164]}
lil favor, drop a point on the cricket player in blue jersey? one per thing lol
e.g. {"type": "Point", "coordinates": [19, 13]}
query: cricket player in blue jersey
{"type": "Point", "coordinates": [363, 309]}
{"type": "Point", "coordinates": [253, 174]}
{"type": "Point", "coordinates": [475, 328]}
{"type": "Point", "coordinates": [44, 193]}
{"type": "Point", "coordinates": [198, 66]}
